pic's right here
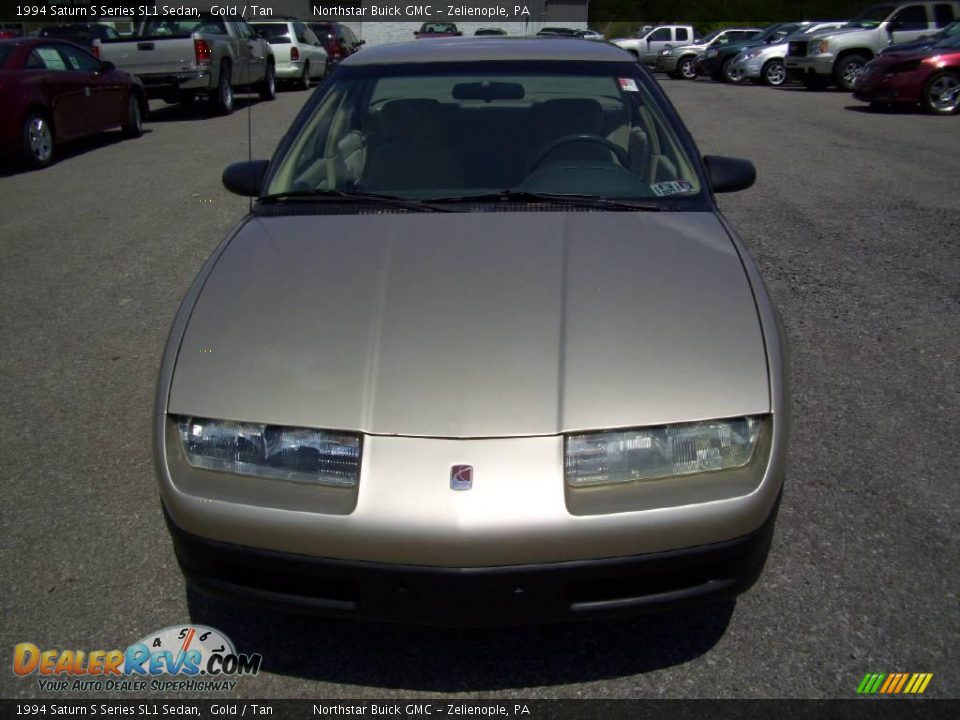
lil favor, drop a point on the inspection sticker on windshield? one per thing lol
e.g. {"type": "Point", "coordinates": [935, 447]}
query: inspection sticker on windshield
{"type": "Point", "coordinates": [672, 187]}
{"type": "Point", "coordinates": [628, 84]}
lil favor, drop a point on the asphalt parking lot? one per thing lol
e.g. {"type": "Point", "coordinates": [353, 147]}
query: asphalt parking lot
{"type": "Point", "coordinates": [855, 223]}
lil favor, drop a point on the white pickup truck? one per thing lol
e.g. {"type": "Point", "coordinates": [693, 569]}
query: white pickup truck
{"type": "Point", "coordinates": [178, 59]}
{"type": "Point", "coordinates": [648, 43]}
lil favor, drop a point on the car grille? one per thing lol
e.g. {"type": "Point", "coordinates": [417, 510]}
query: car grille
{"type": "Point", "coordinates": [797, 48]}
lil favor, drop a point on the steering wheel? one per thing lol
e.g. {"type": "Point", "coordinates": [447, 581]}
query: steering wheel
{"type": "Point", "coordinates": [620, 153]}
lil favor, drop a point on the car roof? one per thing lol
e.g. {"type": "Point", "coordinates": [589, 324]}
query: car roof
{"type": "Point", "coordinates": [506, 49]}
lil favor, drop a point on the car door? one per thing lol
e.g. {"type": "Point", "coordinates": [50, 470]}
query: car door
{"type": "Point", "coordinates": [105, 101]}
{"type": "Point", "coordinates": [908, 24]}
{"type": "Point", "coordinates": [656, 41]}
{"type": "Point", "coordinates": [255, 53]}
{"type": "Point", "coordinates": [47, 74]}
{"type": "Point", "coordinates": [314, 50]}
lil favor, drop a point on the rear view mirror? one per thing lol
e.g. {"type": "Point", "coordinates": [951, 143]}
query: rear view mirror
{"type": "Point", "coordinates": [488, 91]}
{"type": "Point", "coordinates": [728, 174]}
{"type": "Point", "coordinates": [245, 178]}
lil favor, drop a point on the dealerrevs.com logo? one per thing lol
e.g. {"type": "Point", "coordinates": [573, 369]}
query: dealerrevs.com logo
{"type": "Point", "coordinates": [197, 657]}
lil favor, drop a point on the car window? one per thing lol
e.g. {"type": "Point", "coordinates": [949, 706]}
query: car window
{"type": "Point", "coordinates": [661, 34]}
{"type": "Point", "coordinates": [942, 15]}
{"type": "Point", "coordinates": [682, 34]}
{"type": "Point", "coordinates": [76, 59]}
{"type": "Point", "coordinates": [5, 52]}
{"type": "Point", "coordinates": [45, 57]}
{"type": "Point", "coordinates": [432, 133]}
{"type": "Point", "coordinates": [300, 32]}
{"type": "Point", "coordinates": [111, 33]}
{"type": "Point", "coordinates": [912, 17]}
{"type": "Point", "coordinates": [872, 16]}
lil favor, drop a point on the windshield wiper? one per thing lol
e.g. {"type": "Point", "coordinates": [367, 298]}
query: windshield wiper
{"type": "Point", "coordinates": [352, 196]}
{"type": "Point", "coordinates": [551, 197]}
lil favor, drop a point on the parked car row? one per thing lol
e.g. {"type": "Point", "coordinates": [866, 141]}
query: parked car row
{"type": "Point", "coordinates": [893, 53]}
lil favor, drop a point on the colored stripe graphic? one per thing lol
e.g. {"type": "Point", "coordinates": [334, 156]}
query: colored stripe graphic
{"type": "Point", "coordinates": [894, 683]}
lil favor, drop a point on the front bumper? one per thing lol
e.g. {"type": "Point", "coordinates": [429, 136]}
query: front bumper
{"type": "Point", "coordinates": [667, 63]}
{"type": "Point", "coordinates": [874, 85]}
{"type": "Point", "coordinates": [170, 85]}
{"type": "Point", "coordinates": [291, 70]}
{"type": "Point", "coordinates": [813, 66]}
{"type": "Point", "coordinates": [475, 596]}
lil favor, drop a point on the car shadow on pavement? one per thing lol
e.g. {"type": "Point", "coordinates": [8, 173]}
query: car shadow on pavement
{"type": "Point", "coordinates": [197, 110]}
{"type": "Point", "coordinates": [883, 110]}
{"type": "Point", "coordinates": [65, 151]}
{"type": "Point", "coordinates": [432, 659]}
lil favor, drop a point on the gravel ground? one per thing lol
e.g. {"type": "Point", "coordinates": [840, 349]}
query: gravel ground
{"type": "Point", "coordinates": [855, 222]}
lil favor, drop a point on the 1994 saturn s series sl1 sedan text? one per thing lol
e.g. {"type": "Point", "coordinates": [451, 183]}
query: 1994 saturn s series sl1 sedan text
{"type": "Point", "coordinates": [483, 351]}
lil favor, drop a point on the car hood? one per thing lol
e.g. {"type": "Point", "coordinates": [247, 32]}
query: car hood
{"type": "Point", "coordinates": [835, 32]}
{"type": "Point", "coordinates": [474, 324]}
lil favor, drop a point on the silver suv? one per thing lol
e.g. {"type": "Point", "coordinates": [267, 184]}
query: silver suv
{"type": "Point", "coordinates": [764, 64]}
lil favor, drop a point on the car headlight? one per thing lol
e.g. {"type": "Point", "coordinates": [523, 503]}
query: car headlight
{"type": "Point", "coordinates": [750, 54]}
{"type": "Point", "coordinates": [712, 53]}
{"type": "Point", "coordinates": [666, 52]}
{"type": "Point", "coordinates": [618, 456]}
{"type": "Point", "coordinates": [818, 47]}
{"type": "Point", "coordinates": [271, 451]}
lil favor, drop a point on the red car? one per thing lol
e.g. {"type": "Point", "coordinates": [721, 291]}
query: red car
{"type": "Point", "coordinates": [929, 76]}
{"type": "Point", "coordinates": [52, 91]}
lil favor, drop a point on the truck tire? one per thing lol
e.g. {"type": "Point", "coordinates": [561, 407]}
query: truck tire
{"type": "Point", "coordinates": [222, 97]}
{"type": "Point", "coordinates": [38, 140]}
{"type": "Point", "coordinates": [268, 86]}
{"type": "Point", "coordinates": [846, 70]}
{"type": "Point", "coordinates": [941, 93]}
{"type": "Point", "coordinates": [133, 126]}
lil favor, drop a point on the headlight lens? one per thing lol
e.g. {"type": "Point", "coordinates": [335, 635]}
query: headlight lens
{"type": "Point", "coordinates": [658, 452]}
{"type": "Point", "coordinates": [667, 52]}
{"type": "Point", "coordinates": [750, 54]}
{"type": "Point", "coordinates": [712, 52]}
{"type": "Point", "coordinates": [271, 451]}
{"type": "Point", "coordinates": [818, 47]}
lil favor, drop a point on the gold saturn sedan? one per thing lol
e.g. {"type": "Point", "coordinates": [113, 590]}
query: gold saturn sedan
{"type": "Point", "coordinates": [483, 351]}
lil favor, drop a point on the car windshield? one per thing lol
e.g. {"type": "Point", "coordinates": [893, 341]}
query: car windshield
{"type": "Point", "coordinates": [711, 37]}
{"type": "Point", "coordinates": [440, 131]}
{"type": "Point", "coordinates": [949, 43]}
{"type": "Point", "coordinates": [5, 51]}
{"type": "Point", "coordinates": [872, 17]}
{"type": "Point", "coordinates": [438, 28]}
{"type": "Point", "coordinates": [274, 33]}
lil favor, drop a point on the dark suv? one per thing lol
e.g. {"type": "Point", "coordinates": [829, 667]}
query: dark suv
{"type": "Point", "coordinates": [718, 61]}
{"type": "Point", "coordinates": [338, 40]}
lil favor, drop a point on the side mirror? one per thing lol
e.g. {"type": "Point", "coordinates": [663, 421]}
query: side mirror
{"type": "Point", "coordinates": [245, 178]}
{"type": "Point", "coordinates": [727, 174]}
{"type": "Point", "coordinates": [361, 42]}
{"type": "Point", "coordinates": [107, 66]}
